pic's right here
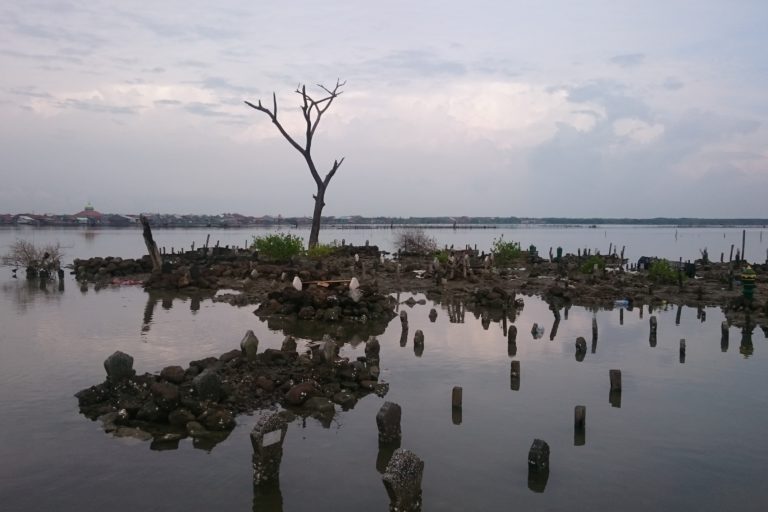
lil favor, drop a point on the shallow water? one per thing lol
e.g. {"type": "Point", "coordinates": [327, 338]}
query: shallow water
{"type": "Point", "coordinates": [686, 437]}
{"type": "Point", "coordinates": [660, 241]}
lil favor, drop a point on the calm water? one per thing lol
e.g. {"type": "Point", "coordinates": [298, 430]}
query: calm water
{"type": "Point", "coordinates": [687, 436]}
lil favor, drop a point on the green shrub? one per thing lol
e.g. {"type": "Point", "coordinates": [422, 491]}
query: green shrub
{"type": "Point", "coordinates": [588, 266]}
{"type": "Point", "coordinates": [278, 246]}
{"type": "Point", "coordinates": [442, 257]}
{"type": "Point", "coordinates": [321, 251]}
{"type": "Point", "coordinates": [504, 253]}
{"type": "Point", "coordinates": [661, 272]}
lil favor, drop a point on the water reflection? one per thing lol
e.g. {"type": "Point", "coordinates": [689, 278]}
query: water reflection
{"type": "Point", "coordinates": [24, 292]}
{"type": "Point", "coordinates": [166, 300]}
{"type": "Point", "coordinates": [746, 348]}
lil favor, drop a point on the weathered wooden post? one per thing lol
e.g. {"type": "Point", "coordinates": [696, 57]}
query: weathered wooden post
{"type": "Point", "coordinates": [581, 348]}
{"type": "Point", "coordinates": [388, 422]}
{"type": "Point", "coordinates": [402, 480]}
{"type": "Point", "coordinates": [724, 333]}
{"type": "Point", "coordinates": [621, 316]}
{"type": "Point", "coordinates": [579, 425]}
{"type": "Point", "coordinates": [404, 325]}
{"type": "Point", "coordinates": [154, 253]}
{"type": "Point", "coordinates": [267, 439]}
{"type": "Point", "coordinates": [512, 341]}
{"type": "Point", "coordinates": [538, 465]}
{"type": "Point", "coordinates": [614, 397]}
{"type": "Point", "coordinates": [682, 351]}
{"type": "Point", "coordinates": [418, 343]}
{"type": "Point", "coordinates": [456, 404]}
{"type": "Point", "coordinates": [514, 375]}
{"type": "Point", "coordinates": [654, 324]}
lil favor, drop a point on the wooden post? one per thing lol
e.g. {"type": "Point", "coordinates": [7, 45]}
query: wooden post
{"type": "Point", "coordinates": [743, 241]}
{"type": "Point", "coordinates": [154, 253]}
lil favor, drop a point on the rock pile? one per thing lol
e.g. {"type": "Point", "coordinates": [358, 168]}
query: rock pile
{"type": "Point", "coordinates": [334, 303]}
{"type": "Point", "coordinates": [202, 400]}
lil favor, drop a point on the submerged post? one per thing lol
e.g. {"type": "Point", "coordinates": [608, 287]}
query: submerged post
{"type": "Point", "coordinates": [514, 375]}
{"type": "Point", "coordinates": [267, 439]}
{"type": "Point", "coordinates": [388, 423]}
{"type": "Point", "coordinates": [402, 480]}
{"type": "Point", "coordinates": [654, 326]}
{"type": "Point", "coordinates": [579, 425]}
{"type": "Point", "coordinates": [538, 465]}
{"type": "Point", "coordinates": [724, 333]}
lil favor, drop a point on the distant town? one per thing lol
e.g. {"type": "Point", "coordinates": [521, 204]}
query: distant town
{"type": "Point", "coordinates": [90, 217]}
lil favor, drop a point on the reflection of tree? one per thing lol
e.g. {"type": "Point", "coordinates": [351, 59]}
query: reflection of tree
{"type": "Point", "coordinates": [166, 299]}
{"type": "Point", "coordinates": [28, 291]}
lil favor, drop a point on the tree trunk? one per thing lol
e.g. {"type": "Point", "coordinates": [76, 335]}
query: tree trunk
{"type": "Point", "coordinates": [319, 204]}
{"type": "Point", "coordinates": [154, 253]}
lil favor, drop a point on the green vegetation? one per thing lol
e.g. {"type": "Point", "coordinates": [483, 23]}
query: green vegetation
{"type": "Point", "coordinates": [321, 251]}
{"type": "Point", "coordinates": [278, 246]}
{"type": "Point", "coordinates": [504, 253]}
{"type": "Point", "coordinates": [588, 266]}
{"type": "Point", "coordinates": [661, 272]}
{"type": "Point", "coordinates": [442, 257]}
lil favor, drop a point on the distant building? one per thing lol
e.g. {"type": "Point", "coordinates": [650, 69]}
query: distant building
{"type": "Point", "coordinates": [89, 216]}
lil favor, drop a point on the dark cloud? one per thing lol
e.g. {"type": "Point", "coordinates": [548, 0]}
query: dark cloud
{"type": "Point", "coordinates": [169, 103]}
{"type": "Point", "coordinates": [628, 60]}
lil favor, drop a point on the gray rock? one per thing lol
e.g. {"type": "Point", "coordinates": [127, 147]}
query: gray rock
{"type": "Point", "coordinates": [289, 344]}
{"type": "Point", "coordinates": [173, 374]}
{"type": "Point", "coordinates": [119, 367]}
{"type": "Point", "coordinates": [207, 385]}
{"type": "Point", "coordinates": [249, 345]}
{"type": "Point", "coordinates": [319, 404]}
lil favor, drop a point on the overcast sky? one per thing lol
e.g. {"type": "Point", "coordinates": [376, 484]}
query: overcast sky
{"type": "Point", "coordinates": [511, 108]}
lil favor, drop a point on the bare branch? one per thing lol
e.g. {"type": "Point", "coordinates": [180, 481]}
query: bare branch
{"type": "Point", "coordinates": [336, 165]}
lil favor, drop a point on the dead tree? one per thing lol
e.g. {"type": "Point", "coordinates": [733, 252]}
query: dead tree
{"type": "Point", "coordinates": [154, 253]}
{"type": "Point", "coordinates": [312, 110]}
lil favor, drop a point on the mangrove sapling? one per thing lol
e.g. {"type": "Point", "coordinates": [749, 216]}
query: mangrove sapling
{"type": "Point", "coordinates": [42, 261]}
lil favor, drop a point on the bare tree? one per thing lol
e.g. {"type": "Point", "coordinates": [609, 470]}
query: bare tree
{"type": "Point", "coordinates": [312, 111]}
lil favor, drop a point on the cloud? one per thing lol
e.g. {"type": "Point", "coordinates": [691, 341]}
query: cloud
{"type": "Point", "coordinates": [416, 63]}
{"type": "Point", "coordinates": [637, 130]}
{"type": "Point", "coordinates": [628, 60]}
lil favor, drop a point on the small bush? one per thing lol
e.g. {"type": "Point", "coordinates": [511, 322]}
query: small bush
{"type": "Point", "coordinates": [27, 255]}
{"type": "Point", "coordinates": [442, 257]}
{"type": "Point", "coordinates": [321, 251]}
{"type": "Point", "coordinates": [661, 272]}
{"type": "Point", "coordinates": [504, 253]}
{"type": "Point", "coordinates": [588, 266]}
{"type": "Point", "coordinates": [415, 240]}
{"type": "Point", "coordinates": [278, 246]}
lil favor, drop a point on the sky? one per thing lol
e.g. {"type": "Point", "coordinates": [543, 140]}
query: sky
{"type": "Point", "coordinates": [485, 108]}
